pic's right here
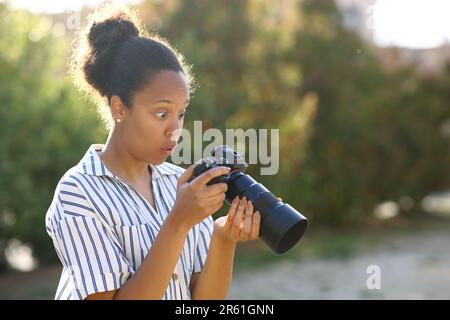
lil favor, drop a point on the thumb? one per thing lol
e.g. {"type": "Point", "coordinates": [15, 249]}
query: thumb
{"type": "Point", "coordinates": [186, 174]}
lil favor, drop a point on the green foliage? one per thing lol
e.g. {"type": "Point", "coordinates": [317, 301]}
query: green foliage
{"type": "Point", "coordinates": [377, 134]}
{"type": "Point", "coordinates": [44, 126]}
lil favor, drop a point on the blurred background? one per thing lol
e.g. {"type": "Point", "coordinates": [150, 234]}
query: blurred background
{"type": "Point", "coordinates": [359, 89]}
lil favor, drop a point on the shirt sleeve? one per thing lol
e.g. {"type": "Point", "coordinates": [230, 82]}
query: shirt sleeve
{"type": "Point", "coordinates": [88, 250]}
{"type": "Point", "coordinates": [202, 248]}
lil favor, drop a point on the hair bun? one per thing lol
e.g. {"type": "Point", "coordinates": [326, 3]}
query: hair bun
{"type": "Point", "coordinates": [111, 32]}
{"type": "Point", "coordinates": [103, 39]}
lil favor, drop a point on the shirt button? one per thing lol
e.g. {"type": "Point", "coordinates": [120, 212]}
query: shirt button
{"type": "Point", "coordinates": [174, 277]}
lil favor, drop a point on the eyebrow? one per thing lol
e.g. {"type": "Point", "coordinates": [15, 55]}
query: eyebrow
{"type": "Point", "coordinates": [170, 101]}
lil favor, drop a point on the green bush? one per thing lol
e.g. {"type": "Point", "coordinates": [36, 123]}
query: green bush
{"type": "Point", "coordinates": [44, 130]}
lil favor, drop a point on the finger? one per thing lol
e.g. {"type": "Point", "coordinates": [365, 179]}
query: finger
{"type": "Point", "coordinates": [215, 189]}
{"type": "Point", "coordinates": [186, 174]}
{"type": "Point", "coordinates": [205, 177]}
{"type": "Point", "coordinates": [218, 198]}
{"type": "Point", "coordinates": [240, 211]}
{"type": "Point", "coordinates": [232, 212]}
{"type": "Point", "coordinates": [237, 222]}
{"type": "Point", "coordinates": [256, 225]}
{"type": "Point", "coordinates": [246, 230]}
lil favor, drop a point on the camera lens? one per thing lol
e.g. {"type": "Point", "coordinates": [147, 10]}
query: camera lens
{"type": "Point", "coordinates": [281, 225]}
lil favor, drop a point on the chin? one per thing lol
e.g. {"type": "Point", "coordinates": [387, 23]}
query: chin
{"type": "Point", "coordinates": [156, 161]}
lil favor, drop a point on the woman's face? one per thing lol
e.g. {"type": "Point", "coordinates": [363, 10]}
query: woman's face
{"type": "Point", "coordinates": [157, 111]}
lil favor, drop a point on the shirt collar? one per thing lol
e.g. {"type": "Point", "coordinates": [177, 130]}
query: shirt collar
{"type": "Point", "coordinates": [91, 164]}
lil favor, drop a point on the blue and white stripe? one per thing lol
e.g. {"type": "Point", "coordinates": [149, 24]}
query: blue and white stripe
{"type": "Point", "coordinates": [102, 229]}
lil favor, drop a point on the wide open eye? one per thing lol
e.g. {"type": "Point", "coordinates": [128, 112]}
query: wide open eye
{"type": "Point", "coordinates": [161, 115]}
{"type": "Point", "coordinates": [182, 115]}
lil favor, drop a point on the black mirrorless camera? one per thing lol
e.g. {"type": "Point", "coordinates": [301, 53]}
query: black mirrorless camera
{"type": "Point", "coordinates": [281, 225]}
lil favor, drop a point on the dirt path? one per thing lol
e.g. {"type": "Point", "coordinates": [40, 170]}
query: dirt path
{"type": "Point", "coordinates": [38, 284]}
{"type": "Point", "coordinates": [411, 267]}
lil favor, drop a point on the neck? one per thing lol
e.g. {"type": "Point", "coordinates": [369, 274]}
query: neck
{"type": "Point", "coordinates": [121, 162]}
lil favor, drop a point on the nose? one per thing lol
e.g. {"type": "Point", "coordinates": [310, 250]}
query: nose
{"type": "Point", "coordinates": [175, 126]}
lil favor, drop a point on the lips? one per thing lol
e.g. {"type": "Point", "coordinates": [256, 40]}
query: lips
{"type": "Point", "coordinates": [170, 147]}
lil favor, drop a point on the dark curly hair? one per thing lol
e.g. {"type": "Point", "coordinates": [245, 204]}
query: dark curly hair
{"type": "Point", "coordinates": [113, 55]}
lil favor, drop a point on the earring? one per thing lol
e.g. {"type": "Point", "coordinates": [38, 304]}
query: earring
{"type": "Point", "coordinates": [118, 120]}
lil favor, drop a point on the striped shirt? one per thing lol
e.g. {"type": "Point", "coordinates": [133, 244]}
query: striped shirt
{"type": "Point", "coordinates": [102, 229]}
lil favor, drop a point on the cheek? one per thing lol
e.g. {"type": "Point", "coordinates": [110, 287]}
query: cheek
{"type": "Point", "coordinates": [140, 127]}
{"type": "Point", "coordinates": [151, 131]}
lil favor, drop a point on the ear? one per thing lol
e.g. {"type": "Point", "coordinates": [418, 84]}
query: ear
{"type": "Point", "coordinates": [118, 109]}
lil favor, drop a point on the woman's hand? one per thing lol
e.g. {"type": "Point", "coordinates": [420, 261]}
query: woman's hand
{"type": "Point", "coordinates": [240, 224]}
{"type": "Point", "coordinates": [195, 200]}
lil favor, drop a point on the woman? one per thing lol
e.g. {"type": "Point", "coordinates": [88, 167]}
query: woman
{"type": "Point", "coordinates": [125, 223]}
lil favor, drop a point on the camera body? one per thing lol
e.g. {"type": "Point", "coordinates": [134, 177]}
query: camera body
{"type": "Point", "coordinates": [281, 225]}
{"type": "Point", "coordinates": [222, 156]}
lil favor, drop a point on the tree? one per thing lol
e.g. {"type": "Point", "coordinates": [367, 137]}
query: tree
{"type": "Point", "coordinates": [45, 126]}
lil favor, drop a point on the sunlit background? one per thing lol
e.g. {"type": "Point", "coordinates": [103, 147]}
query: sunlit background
{"type": "Point", "coordinates": [404, 23]}
{"type": "Point", "coordinates": [54, 6]}
{"type": "Point", "coordinates": [360, 90]}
